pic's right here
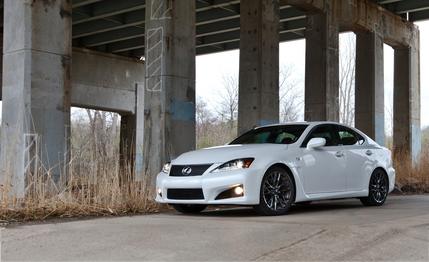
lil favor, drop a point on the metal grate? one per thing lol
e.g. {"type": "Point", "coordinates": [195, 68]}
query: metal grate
{"type": "Point", "coordinates": [185, 193]}
{"type": "Point", "coordinates": [196, 170]}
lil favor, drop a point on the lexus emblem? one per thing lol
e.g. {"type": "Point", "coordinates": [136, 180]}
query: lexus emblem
{"type": "Point", "coordinates": [186, 170]}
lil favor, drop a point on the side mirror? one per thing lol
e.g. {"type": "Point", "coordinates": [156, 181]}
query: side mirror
{"type": "Point", "coordinates": [316, 143]}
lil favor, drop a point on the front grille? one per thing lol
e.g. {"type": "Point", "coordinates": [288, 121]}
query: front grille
{"type": "Point", "coordinates": [196, 170]}
{"type": "Point", "coordinates": [185, 193]}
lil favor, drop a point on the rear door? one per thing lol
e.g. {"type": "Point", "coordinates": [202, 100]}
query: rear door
{"type": "Point", "coordinates": [358, 158]}
{"type": "Point", "coordinates": [323, 168]}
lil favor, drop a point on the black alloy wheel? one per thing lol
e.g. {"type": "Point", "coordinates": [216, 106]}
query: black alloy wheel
{"type": "Point", "coordinates": [378, 189]}
{"type": "Point", "coordinates": [277, 192]}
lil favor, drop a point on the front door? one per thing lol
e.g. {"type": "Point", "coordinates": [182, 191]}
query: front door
{"type": "Point", "coordinates": [323, 169]}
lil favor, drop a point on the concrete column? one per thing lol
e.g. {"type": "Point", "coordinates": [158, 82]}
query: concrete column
{"type": "Point", "coordinates": [127, 147]}
{"type": "Point", "coordinates": [36, 89]}
{"type": "Point", "coordinates": [369, 90]}
{"type": "Point", "coordinates": [258, 102]}
{"type": "Point", "coordinates": [406, 101]}
{"type": "Point", "coordinates": [1, 66]}
{"type": "Point", "coordinates": [169, 123]}
{"type": "Point", "coordinates": [321, 68]}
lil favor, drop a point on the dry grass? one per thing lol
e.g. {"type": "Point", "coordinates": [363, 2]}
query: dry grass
{"type": "Point", "coordinates": [95, 187]}
{"type": "Point", "coordinates": [412, 178]}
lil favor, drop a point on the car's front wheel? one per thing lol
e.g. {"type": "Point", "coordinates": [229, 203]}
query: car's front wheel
{"type": "Point", "coordinates": [189, 209]}
{"type": "Point", "coordinates": [378, 189]}
{"type": "Point", "coordinates": [277, 192]}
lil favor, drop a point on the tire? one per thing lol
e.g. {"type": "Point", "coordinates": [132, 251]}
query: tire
{"type": "Point", "coordinates": [377, 190]}
{"type": "Point", "coordinates": [277, 192]}
{"type": "Point", "coordinates": [189, 209]}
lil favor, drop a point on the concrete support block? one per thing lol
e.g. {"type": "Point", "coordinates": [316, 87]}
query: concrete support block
{"type": "Point", "coordinates": [406, 101]}
{"type": "Point", "coordinates": [169, 97]}
{"type": "Point", "coordinates": [259, 64]}
{"type": "Point", "coordinates": [36, 89]}
{"type": "Point", "coordinates": [321, 68]}
{"type": "Point", "coordinates": [369, 91]}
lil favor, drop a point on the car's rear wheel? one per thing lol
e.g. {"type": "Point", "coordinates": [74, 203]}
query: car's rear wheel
{"type": "Point", "coordinates": [189, 209]}
{"type": "Point", "coordinates": [378, 189]}
{"type": "Point", "coordinates": [277, 192]}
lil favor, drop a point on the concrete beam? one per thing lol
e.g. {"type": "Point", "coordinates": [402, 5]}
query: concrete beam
{"type": "Point", "coordinates": [363, 15]}
{"type": "Point", "coordinates": [369, 88]}
{"type": "Point", "coordinates": [36, 90]}
{"type": "Point", "coordinates": [406, 101]}
{"type": "Point", "coordinates": [170, 82]}
{"type": "Point", "coordinates": [104, 81]}
{"type": "Point", "coordinates": [259, 64]}
{"type": "Point", "coordinates": [321, 68]}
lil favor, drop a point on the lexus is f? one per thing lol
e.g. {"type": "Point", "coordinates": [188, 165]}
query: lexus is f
{"type": "Point", "coordinates": [273, 167]}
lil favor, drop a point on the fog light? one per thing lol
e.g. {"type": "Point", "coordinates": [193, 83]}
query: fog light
{"type": "Point", "coordinates": [233, 191]}
{"type": "Point", "coordinates": [160, 192]}
{"type": "Point", "coordinates": [238, 190]}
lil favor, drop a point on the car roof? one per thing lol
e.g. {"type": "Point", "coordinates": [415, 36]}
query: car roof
{"type": "Point", "coordinates": [312, 123]}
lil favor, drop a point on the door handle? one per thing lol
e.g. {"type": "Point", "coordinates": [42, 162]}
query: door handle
{"type": "Point", "coordinates": [368, 152]}
{"type": "Point", "coordinates": [339, 154]}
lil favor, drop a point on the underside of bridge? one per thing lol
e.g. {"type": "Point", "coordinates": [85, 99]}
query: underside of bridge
{"type": "Point", "coordinates": [90, 53]}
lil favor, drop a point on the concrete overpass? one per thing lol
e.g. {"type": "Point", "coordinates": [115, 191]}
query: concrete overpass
{"type": "Point", "coordinates": [87, 53]}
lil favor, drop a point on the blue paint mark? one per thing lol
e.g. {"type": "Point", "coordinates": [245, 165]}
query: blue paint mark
{"type": "Point", "coordinates": [182, 110]}
{"type": "Point", "coordinates": [416, 142]}
{"type": "Point", "coordinates": [263, 122]}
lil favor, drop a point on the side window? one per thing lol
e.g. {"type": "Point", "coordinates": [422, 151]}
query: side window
{"type": "Point", "coordinates": [349, 137]}
{"type": "Point", "coordinates": [322, 131]}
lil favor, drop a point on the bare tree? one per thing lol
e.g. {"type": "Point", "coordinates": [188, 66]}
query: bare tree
{"type": "Point", "coordinates": [228, 97]}
{"type": "Point", "coordinates": [204, 119]}
{"type": "Point", "coordinates": [290, 97]}
{"type": "Point", "coordinates": [347, 78]}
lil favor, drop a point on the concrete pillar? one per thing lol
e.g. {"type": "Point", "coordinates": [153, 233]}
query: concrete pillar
{"type": "Point", "coordinates": [169, 123]}
{"type": "Point", "coordinates": [406, 101]}
{"type": "Point", "coordinates": [321, 68]}
{"type": "Point", "coordinates": [127, 146]}
{"type": "Point", "coordinates": [369, 90]}
{"type": "Point", "coordinates": [36, 89]}
{"type": "Point", "coordinates": [258, 102]}
{"type": "Point", "coordinates": [1, 65]}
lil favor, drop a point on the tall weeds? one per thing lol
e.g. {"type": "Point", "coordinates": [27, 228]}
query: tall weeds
{"type": "Point", "coordinates": [412, 178]}
{"type": "Point", "coordinates": [90, 186]}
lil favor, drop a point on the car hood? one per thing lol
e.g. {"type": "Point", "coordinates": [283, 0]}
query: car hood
{"type": "Point", "coordinates": [221, 154]}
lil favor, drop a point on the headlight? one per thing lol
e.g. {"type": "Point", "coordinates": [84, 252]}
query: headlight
{"type": "Point", "coordinates": [234, 165]}
{"type": "Point", "coordinates": [166, 167]}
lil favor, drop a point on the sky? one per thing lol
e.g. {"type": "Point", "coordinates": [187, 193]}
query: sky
{"type": "Point", "coordinates": [212, 68]}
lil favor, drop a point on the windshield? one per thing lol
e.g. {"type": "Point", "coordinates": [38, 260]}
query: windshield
{"type": "Point", "coordinates": [287, 134]}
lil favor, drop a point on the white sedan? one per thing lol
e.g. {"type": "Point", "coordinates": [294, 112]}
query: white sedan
{"type": "Point", "coordinates": [273, 167]}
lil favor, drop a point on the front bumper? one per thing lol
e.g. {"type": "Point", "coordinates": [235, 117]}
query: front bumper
{"type": "Point", "coordinates": [212, 184]}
